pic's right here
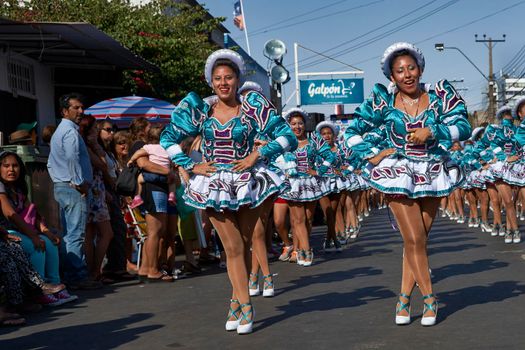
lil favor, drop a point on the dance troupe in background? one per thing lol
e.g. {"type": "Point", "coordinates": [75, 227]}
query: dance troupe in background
{"type": "Point", "coordinates": [403, 143]}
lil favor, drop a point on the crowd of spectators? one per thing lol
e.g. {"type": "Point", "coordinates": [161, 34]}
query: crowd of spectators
{"type": "Point", "coordinates": [96, 245]}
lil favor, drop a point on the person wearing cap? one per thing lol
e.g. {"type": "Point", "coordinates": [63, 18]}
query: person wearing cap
{"type": "Point", "coordinates": [231, 184]}
{"type": "Point", "coordinates": [415, 171]}
{"type": "Point", "coordinates": [306, 184]}
{"type": "Point", "coordinates": [20, 137]}
{"type": "Point", "coordinates": [31, 129]}
{"type": "Point", "coordinates": [499, 140]}
{"type": "Point", "coordinates": [71, 172]}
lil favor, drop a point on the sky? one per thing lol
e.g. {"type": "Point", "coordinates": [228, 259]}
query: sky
{"type": "Point", "coordinates": [359, 31]}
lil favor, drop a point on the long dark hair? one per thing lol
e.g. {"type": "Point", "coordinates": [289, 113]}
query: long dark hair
{"type": "Point", "coordinates": [20, 183]}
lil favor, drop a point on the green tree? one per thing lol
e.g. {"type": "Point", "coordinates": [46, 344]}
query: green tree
{"type": "Point", "coordinates": [172, 35]}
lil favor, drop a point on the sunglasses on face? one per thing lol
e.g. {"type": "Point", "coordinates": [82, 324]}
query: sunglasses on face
{"type": "Point", "coordinates": [108, 129]}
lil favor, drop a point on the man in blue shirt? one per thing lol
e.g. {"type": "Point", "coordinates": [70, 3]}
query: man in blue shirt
{"type": "Point", "coordinates": [70, 169]}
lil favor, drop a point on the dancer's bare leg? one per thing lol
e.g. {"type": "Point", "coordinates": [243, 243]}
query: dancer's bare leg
{"type": "Point", "coordinates": [299, 225]}
{"type": "Point", "coordinates": [259, 252]}
{"type": "Point", "coordinates": [280, 211]}
{"type": "Point", "coordinates": [472, 203]}
{"type": "Point", "coordinates": [496, 204]}
{"type": "Point", "coordinates": [505, 190]}
{"type": "Point", "coordinates": [410, 215]}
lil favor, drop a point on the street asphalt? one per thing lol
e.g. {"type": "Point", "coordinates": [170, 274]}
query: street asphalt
{"type": "Point", "coordinates": [344, 301]}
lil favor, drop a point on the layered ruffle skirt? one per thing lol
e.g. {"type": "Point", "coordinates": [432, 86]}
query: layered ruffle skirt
{"type": "Point", "coordinates": [415, 179]}
{"type": "Point", "coordinates": [305, 189]}
{"type": "Point", "coordinates": [514, 173]}
{"type": "Point", "coordinates": [336, 184]}
{"type": "Point", "coordinates": [228, 190]}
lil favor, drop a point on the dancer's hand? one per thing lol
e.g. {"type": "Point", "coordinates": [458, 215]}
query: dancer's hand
{"type": "Point", "coordinates": [312, 172]}
{"type": "Point", "coordinates": [259, 143]}
{"type": "Point", "coordinates": [205, 169]}
{"type": "Point", "coordinates": [381, 155]}
{"type": "Point", "coordinates": [246, 163]}
{"type": "Point", "coordinates": [419, 136]}
{"type": "Point", "coordinates": [512, 159]}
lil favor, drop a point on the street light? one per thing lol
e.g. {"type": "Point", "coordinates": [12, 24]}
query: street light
{"type": "Point", "coordinates": [275, 50]}
{"type": "Point", "coordinates": [440, 47]}
{"type": "Point", "coordinates": [491, 111]}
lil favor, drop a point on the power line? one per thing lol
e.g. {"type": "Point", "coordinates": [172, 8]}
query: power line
{"type": "Point", "coordinates": [512, 63]}
{"type": "Point", "coordinates": [370, 31]}
{"type": "Point", "coordinates": [317, 18]}
{"type": "Point", "coordinates": [451, 30]}
{"type": "Point", "coordinates": [262, 29]}
{"type": "Point", "coordinates": [389, 32]}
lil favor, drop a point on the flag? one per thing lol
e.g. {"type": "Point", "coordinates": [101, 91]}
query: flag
{"type": "Point", "coordinates": [238, 18]}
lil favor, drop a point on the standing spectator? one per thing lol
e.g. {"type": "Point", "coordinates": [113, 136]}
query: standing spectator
{"type": "Point", "coordinates": [116, 253]}
{"type": "Point", "coordinates": [155, 196]}
{"type": "Point", "coordinates": [71, 173]}
{"type": "Point", "coordinates": [120, 149]}
{"type": "Point", "coordinates": [98, 223]}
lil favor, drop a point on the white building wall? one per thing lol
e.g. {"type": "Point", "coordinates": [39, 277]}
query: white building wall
{"type": "Point", "coordinates": [44, 90]}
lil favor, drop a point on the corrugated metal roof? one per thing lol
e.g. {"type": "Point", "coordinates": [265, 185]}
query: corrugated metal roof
{"type": "Point", "coordinates": [68, 45]}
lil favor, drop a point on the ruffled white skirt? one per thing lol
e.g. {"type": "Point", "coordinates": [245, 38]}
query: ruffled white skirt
{"type": "Point", "coordinates": [305, 189]}
{"type": "Point", "coordinates": [415, 179]}
{"type": "Point", "coordinates": [363, 182]}
{"type": "Point", "coordinates": [231, 190]}
{"type": "Point", "coordinates": [514, 173]}
{"type": "Point", "coordinates": [354, 183]}
{"type": "Point", "coordinates": [477, 179]}
{"type": "Point", "coordinates": [336, 184]}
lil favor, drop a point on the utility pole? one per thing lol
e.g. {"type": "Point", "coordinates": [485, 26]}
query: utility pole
{"type": "Point", "coordinates": [491, 111]}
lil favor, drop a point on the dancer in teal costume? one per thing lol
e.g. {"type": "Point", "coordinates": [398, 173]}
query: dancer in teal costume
{"type": "Point", "coordinates": [415, 171]}
{"type": "Point", "coordinates": [232, 183]}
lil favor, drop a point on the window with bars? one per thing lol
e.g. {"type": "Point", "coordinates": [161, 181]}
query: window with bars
{"type": "Point", "coordinates": [20, 77]}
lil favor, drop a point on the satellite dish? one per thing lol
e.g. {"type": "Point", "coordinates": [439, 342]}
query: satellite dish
{"type": "Point", "coordinates": [279, 74]}
{"type": "Point", "coordinates": [274, 49]}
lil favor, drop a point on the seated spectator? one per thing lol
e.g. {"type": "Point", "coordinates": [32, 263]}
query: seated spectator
{"type": "Point", "coordinates": [22, 220]}
{"type": "Point", "coordinates": [19, 280]}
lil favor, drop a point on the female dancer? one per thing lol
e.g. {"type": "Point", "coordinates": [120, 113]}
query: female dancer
{"type": "Point", "coordinates": [231, 184]}
{"type": "Point", "coordinates": [477, 179]}
{"type": "Point", "coordinates": [336, 183]}
{"type": "Point", "coordinates": [518, 170]}
{"type": "Point", "coordinates": [499, 139]}
{"type": "Point", "coordinates": [415, 172]}
{"type": "Point", "coordinates": [306, 187]}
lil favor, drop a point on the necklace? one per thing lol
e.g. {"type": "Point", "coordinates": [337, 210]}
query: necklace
{"type": "Point", "coordinates": [411, 102]}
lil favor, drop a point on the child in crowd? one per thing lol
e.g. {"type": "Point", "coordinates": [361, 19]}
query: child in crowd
{"type": "Point", "coordinates": [158, 155]}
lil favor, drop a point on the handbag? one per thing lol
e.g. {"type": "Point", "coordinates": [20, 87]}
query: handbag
{"type": "Point", "coordinates": [127, 181]}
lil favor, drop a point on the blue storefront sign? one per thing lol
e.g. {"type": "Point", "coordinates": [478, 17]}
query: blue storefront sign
{"type": "Point", "coordinates": [331, 91]}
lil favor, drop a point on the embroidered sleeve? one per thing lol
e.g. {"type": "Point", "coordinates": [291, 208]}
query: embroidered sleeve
{"type": "Point", "coordinates": [451, 123]}
{"type": "Point", "coordinates": [186, 120]}
{"type": "Point", "coordinates": [485, 141]}
{"type": "Point", "coordinates": [266, 121]}
{"type": "Point", "coordinates": [324, 155]}
{"type": "Point", "coordinates": [519, 137]}
{"type": "Point", "coordinates": [368, 116]}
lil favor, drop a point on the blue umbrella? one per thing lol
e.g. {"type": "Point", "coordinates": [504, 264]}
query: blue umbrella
{"type": "Point", "coordinates": [122, 110]}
